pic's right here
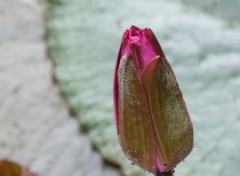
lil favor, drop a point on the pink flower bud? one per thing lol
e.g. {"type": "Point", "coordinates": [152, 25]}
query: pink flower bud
{"type": "Point", "coordinates": [152, 121]}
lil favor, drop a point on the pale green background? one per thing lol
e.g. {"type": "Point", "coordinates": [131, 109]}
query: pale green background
{"type": "Point", "coordinates": [202, 46]}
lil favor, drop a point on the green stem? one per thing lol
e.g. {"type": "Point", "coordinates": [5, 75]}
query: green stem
{"type": "Point", "coordinates": [170, 173]}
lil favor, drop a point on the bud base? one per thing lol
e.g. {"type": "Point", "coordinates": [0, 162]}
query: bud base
{"type": "Point", "coordinates": [170, 173]}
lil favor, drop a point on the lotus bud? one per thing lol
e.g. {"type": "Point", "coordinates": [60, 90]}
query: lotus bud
{"type": "Point", "coordinates": [153, 125]}
{"type": "Point", "coordinates": [10, 168]}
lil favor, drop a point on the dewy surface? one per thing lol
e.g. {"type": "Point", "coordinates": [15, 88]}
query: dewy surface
{"type": "Point", "coordinates": [135, 136]}
{"type": "Point", "coordinates": [204, 52]}
{"type": "Point", "coordinates": [155, 131]}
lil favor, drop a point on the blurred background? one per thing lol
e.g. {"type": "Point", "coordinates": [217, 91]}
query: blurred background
{"type": "Point", "coordinates": [56, 70]}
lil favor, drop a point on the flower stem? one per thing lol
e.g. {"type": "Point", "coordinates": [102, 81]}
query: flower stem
{"type": "Point", "coordinates": [170, 173]}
